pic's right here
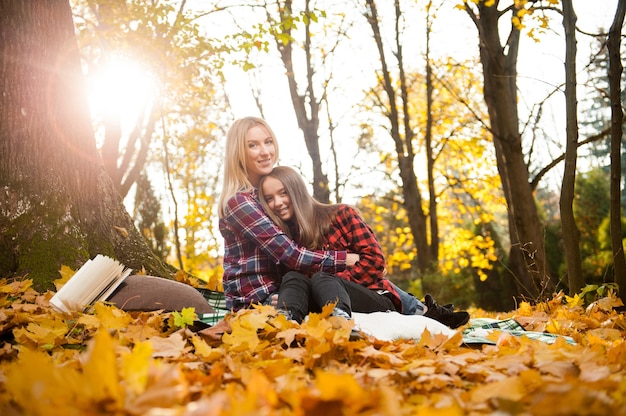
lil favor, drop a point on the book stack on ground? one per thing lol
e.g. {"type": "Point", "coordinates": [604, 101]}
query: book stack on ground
{"type": "Point", "coordinates": [94, 281]}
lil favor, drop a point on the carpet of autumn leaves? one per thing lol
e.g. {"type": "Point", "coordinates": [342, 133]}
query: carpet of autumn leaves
{"type": "Point", "coordinates": [116, 363]}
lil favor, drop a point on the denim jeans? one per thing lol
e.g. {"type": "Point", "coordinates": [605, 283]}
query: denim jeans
{"type": "Point", "coordinates": [410, 304]}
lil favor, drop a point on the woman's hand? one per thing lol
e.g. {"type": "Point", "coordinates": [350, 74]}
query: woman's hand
{"type": "Point", "coordinates": [351, 259]}
{"type": "Point", "coordinates": [274, 300]}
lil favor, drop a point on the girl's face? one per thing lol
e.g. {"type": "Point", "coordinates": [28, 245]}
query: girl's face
{"type": "Point", "coordinates": [277, 198]}
{"type": "Point", "coordinates": [260, 154]}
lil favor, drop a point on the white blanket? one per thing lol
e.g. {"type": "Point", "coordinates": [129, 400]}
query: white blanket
{"type": "Point", "coordinates": [388, 326]}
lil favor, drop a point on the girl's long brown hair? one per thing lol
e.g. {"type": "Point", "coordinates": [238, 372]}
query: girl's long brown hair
{"type": "Point", "coordinates": [312, 218]}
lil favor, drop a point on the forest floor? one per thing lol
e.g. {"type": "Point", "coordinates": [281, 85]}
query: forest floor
{"type": "Point", "coordinates": [111, 362]}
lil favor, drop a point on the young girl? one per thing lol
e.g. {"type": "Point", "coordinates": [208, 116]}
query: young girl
{"type": "Point", "coordinates": [256, 251]}
{"type": "Point", "coordinates": [284, 196]}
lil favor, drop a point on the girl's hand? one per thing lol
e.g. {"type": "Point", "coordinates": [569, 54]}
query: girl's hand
{"type": "Point", "coordinates": [351, 259]}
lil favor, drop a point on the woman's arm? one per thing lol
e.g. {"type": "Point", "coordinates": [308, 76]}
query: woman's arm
{"type": "Point", "coordinates": [246, 216]}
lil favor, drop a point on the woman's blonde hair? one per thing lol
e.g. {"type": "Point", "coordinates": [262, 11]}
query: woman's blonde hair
{"type": "Point", "coordinates": [312, 218]}
{"type": "Point", "coordinates": [235, 172]}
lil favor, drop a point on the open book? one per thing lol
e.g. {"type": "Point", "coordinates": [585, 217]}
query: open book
{"type": "Point", "coordinates": [95, 281]}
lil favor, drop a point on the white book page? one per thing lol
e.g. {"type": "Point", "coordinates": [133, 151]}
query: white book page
{"type": "Point", "coordinates": [95, 279]}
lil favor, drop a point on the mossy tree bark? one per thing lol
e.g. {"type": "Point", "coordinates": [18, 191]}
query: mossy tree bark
{"type": "Point", "coordinates": [57, 204]}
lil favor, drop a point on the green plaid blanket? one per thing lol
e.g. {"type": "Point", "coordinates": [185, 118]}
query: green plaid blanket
{"type": "Point", "coordinates": [480, 328]}
{"type": "Point", "coordinates": [218, 303]}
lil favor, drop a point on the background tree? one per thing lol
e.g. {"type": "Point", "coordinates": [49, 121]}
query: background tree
{"type": "Point", "coordinates": [195, 170]}
{"type": "Point", "coordinates": [591, 207]}
{"type": "Point", "coordinates": [527, 262]}
{"type": "Point", "coordinates": [402, 132]}
{"type": "Point", "coordinates": [433, 118]}
{"type": "Point", "coordinates": [571, 234]}
{"type": "Point", "coordinates": [148, 217]}
{"type": "Point", "coordinates": [182, 115]}
{"type": "Point", "coordinates": [177, 60]}
{"type": "Point", "coordinates": [615, 75]}
{"type": "Point", "coordinates": [58, 206]}
{"type": "Point", "coordinates": [305, 101]}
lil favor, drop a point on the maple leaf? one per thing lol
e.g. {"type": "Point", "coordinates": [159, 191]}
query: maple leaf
{"type": "Point", "coordinates": [316, 326]}
{"type": "Point", "coordinates": [380, 356]}
{"type": "Point", "coordinates": [165, 389]}
{"type": "Point", "coordinates": [509, 388]}
{"type": "Point", "coordinates": [290, 334]}
{"type": "Point", "coordinates": [242, 337]}
{"type": "Point", "coordinates": [66, 273]}
{"type": "Point", "coordinates": [609, 303]}
{"type": "Point", "coordinates": [525, 309]}
{"type": "Point", "coordinates": [173, 346]}
{"type": "Point", "coordinates": [45, 333]}
{"type": "Point", "coordinates": [36, 385]}
{"type": "Point", "coordinates": [553, 327]}
{"type": "Point", "coordinates": [260, 393]}
{"type": "Point", "coordinates": [185, 317]}
{"type": "Point", "coordinates": [100, 370]}
{"type": "Point", "coordinates": [16, 287]}
{"type": "Point", "coordinates": [145, 326]}
{"type": "Point", "coordinates": [576, 300]}
{"type": "Point", "coordinates": [136, 366]}
{"type": "Point", "coordinates": [213, 335]}
{"type": "Point", "coordinates": [89, 321]}
{"type": "Point", "coordinates": [205, 351]}
{"type": "Point", "coordinates": [111, 317]}
{"type": "Point", "coordinates": [258, 317]}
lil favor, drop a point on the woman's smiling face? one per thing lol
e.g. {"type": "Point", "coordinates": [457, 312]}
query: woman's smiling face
{"type": "Point", "coordinates": [260, 154]}
{"type": "Point", "coordinates": [277, 198]}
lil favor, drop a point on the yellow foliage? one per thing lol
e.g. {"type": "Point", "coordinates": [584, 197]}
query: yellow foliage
{"type": "Point", "coordinates": [111, 317]}
{"type": "Point", "coordinates": [65, 272]}
{"type": "Point", "coordinates": [45, 332]}
{"type": "Point", "coordinates": [576, 300]}
{"type": "Point", "coordinates": [268, 365]}
{"type": "Point", "coordinates": [135, 366]}
{"type": "Point", "coordinates": [525, 309]}
{"type": "Point", "coordinates": [100, 370]}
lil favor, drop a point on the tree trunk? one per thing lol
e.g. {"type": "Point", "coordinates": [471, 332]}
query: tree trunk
{"type": "Point", "coordinates": [527, 262]}
{"type": "Point", "coordinates": [571, 234]}
{"type": "Point", "coordinates": [57, 205]}
{"type": "Point", "coordinates": [306, 106]}
{"type": "Point", "coordinates": [615, 76]}
{"type": "Point", "coordinates": [404, 149]}
{"type": "Point", "coordinates": [428, 138]}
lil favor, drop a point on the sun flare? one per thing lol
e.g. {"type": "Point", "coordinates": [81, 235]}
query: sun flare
{"type": "Point", "coordinates": [121, 87]}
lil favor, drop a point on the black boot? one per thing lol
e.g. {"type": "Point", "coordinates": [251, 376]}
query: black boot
{"type": "Point", "coordinates": [445, 314]}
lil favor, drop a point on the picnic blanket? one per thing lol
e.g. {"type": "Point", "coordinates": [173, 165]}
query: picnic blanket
{"type": "Point", "coordinates": [218, 302]}
{"type": "Point", "coordinates": [389, 326]}
{"type": "Point", "coordinates": [481, 330]}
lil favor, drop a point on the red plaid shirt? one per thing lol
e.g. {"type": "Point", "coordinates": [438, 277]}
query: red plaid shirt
{"type": "Point", "coordinates": [349, 232]}
{"type": "Point", "coordinates": [254, 250]}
